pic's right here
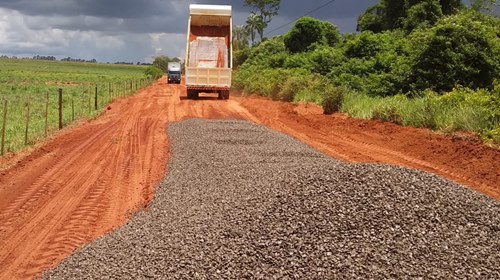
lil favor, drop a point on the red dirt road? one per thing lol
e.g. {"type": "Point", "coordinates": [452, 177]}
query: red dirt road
{"type": "Point", "coordinates": [87, 180]}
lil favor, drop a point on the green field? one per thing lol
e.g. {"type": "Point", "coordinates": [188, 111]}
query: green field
{"type": "Point", "coordinates": [30, 90]}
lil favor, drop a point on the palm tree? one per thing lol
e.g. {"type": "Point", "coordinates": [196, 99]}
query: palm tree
{"type": "Point", "coordinates": [255, 24]}
{"type": "Point", "coordinates": [240, 37]}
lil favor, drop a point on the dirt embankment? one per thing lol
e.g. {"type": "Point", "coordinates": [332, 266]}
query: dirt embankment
{"type": "Point", "coordinates": [87, 180]}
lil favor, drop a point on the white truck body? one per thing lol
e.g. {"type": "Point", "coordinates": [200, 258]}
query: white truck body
{"type": "Point", "coordinates": [174, 66]}
{"type": "Point", "coordinates": [208, 66]}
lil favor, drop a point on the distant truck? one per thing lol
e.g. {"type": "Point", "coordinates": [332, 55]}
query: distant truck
{"type": "Point", "coordinates": [209, 51]}
{"type": "Point", "coordinates": [174, 72]}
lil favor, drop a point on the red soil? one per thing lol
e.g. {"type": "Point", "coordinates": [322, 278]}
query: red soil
{"type": "Point", "coordinates": [87, 180]}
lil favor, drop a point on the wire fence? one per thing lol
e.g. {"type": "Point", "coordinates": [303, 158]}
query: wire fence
{"type": "Point", "coordinates": [29, 117]}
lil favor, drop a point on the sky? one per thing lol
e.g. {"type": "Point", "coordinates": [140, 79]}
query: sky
{"type": "Point", "coordinates": [135, 30]}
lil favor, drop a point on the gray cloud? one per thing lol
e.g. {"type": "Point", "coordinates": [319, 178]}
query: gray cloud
{"type": "Point", "coordinates": [132, 30]}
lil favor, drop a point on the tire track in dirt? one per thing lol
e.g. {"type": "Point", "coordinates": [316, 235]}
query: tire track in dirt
{"type": "Point", "coordinates": [73, 200]}
{"type": "Point", "coordinates": [39, 187]}
{"type": "Point", "coordinates": [71, 191]}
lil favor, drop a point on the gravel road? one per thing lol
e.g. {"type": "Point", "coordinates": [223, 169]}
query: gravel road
{"type": "Point", "coordinates": [242, 201]}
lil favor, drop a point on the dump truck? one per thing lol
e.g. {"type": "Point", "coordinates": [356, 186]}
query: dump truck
{"type": "Point", "coordinates": [174, 72]}
{"type": "Point", "coordinates": [208, 64]}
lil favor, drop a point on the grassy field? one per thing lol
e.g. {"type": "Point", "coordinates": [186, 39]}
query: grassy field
{"type": "Point", "coordinates": [29, 89]}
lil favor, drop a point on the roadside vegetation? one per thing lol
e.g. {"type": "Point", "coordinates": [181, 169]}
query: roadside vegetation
{"type": "Point", "coordinates": [429, 63]}
{"type": "Point", "coordinates": [29, 95]}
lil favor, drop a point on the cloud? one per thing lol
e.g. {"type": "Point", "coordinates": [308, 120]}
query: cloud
{"type": "Point", "coordinates": [131, 30]}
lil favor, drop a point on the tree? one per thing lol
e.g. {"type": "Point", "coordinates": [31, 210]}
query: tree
{"type": "Point", "coordinates": [153, 72]}
{"type": "Point", "coordinates": [307, 31]}
{"type": "Point", "coordinates": [460, 50]}
{"type": "Point", "coordinates": [240, 37]}
{"type": "Point", "coordinates": [254, 24]}
{"type": "Point", "coordinates": [330, 33]}
{"type": "Point", "coordinates": [265, 10]}
{"type": "Point", "coordinates": [395, 10]}
{"type": "Point", "coordinates": [423, 14]}
{"type": "Point", "coordinates": [450, 7]}
{"type": "Point", "coordinates": [373, 19]}
{"type": "Point", "coordinates": [162, 62]}
{"type": "Point", "coordinates": [393, 14]}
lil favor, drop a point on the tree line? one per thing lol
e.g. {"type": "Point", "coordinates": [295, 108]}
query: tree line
{"type": "Point", "coordinates": [427, 63]}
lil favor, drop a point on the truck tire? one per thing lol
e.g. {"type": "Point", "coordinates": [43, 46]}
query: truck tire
{"type": "Point", "coordinates": [225, 94]}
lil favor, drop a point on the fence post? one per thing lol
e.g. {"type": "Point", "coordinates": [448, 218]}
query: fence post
{"type": "Point", "coordinates": [4, 123]}
{"type": "Point", "coordinates": [90, 100]}
{"type": "Point", "coordinates": [109, 91]}
{"type": "Point", "coordinates": [131, 88]}
{"type": "Point", "coordinates": [27, 122]}
{"type": "Point", "coordinates": [72, 109]}
{"type": "Point", "coordinates": [60, 108]}
{"type": "Point", "coordinates": [95, 99]}
{"type": "Point", "coordinates": [46, 113]}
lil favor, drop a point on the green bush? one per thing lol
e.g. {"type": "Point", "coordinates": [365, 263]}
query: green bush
{"type": "Point", "coordinates": [324, 59]}
{"type": "Point", "coordinates": [292, 86]}
{"type": "Point", "coordinates": [492, 136]}
{"type": "Point", "coordinates": [315, 90]}
{"type": "Point", "coordinates": [459, 50]}
{"type": "Point", "coordinates": [260, 54]}
{"type": "Point", "coordinates": [390, 110]}
{"type": "Point", "coordinates": [307, 31]}
{"type": "Point", "coordinates": [298, 60]}
{"type": "Point", "coordinates": [332, 99]}
{"type": "Point", "coordinates": [153, 72]}
{"type": "Point", "coordinates": [240, 56]}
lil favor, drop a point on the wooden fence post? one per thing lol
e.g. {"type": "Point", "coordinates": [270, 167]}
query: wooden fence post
{"type": "Point", "coordinates": [27, 122]}
{"type": "Point", "coordinates": [46, 112]}
{"type": "Point", "coordinates": [60, 108]}
{"type": "Point", "coordinates": [4, 123]}
{"type": "Point", "coordinates": [95, 99]}
{"type": "Point", "coordinates": [109, 91]}
{"type": "Point", "coordinates": [90, 100]}
{"type": "Point", "coordinates": [72, 109]}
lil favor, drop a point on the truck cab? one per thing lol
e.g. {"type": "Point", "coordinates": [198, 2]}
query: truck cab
{"type": "Point", "coordinates": [174, 73]}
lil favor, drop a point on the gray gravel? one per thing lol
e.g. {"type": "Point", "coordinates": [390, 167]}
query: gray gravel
{"type": "Point", "coordinates": [243, 202]}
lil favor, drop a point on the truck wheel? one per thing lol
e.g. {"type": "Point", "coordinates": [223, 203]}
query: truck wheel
{"type": "Point", "coordinates": [196, 94]}
{"type": "Point", "coordinates": [225, 94]}
{"type": "Point", "coordinates": [190, 94]}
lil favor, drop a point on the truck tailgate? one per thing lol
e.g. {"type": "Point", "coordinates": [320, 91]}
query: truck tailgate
{"type": "Point", "coordinates": [208, 77]}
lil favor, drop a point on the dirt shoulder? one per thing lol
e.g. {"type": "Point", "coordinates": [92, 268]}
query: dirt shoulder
{"type": "Point", "coordinates": [464, 161]}
{"type": "Point", "coordinates": [82, 183]}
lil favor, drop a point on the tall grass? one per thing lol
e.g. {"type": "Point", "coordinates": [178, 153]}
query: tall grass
{"type": "Point", "coordinates": [462, 109]}
{"type": "Point", "coordinates": [475, 112]}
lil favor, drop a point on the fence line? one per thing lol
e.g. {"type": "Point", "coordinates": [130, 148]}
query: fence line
{"type": "Point", "coordinates": [28, 119]}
